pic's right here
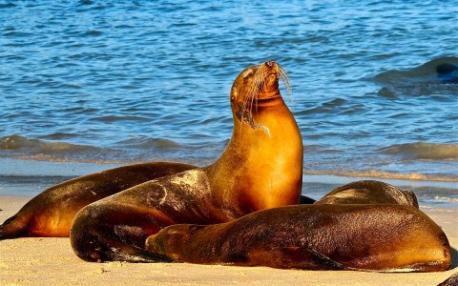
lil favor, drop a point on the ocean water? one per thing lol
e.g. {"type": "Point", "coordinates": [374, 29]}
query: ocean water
{"type": "Point", "coordinates": [115, 82]}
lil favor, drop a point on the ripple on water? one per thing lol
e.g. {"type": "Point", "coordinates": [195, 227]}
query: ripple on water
{"type": "Point", "coordinates": [423, 150]}
{"type": "Point", "coordinates": [92, 74]}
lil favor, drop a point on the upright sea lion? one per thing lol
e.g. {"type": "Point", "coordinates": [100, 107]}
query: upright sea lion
{"type": "Point", "coordinates": [378, 237]}
{"type": "Point", "coordinates": [51, 212]}
{"type": "Point", "coordinates": [260, 168]}
{"type": "Point", "coordinates": [369, 192]}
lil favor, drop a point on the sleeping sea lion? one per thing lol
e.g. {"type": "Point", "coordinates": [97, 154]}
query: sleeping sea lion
{"type": "Point", "coordinates": [370, 237]}
{"type": "Point", "coordinates": [51, 212]}
{"type": "Point", "coordinates": [364, 225]}
{"type": "Point", "coordinates": [369, 192]}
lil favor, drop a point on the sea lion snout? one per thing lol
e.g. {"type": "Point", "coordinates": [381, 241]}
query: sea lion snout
{"type": "Point", "coordinates": [270, 63]}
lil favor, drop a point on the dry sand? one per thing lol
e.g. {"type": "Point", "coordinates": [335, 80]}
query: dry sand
{"type": "Point", "coordinates": [50, 261]}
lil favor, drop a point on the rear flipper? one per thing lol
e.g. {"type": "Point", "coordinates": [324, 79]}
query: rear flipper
{"type": "Point", "coordinates": [116, 228]}
{"type": "Point", "coordinates": [113, 232]}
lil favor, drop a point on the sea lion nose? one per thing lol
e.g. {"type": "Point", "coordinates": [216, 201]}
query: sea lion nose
{"type": "Point", "coordinates": [270, 63]}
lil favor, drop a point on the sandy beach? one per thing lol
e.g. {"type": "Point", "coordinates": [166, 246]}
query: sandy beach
{"type": "Point", "coordinates": [369, 91]}
{"type": "Point", "coordinates": [50, 261]}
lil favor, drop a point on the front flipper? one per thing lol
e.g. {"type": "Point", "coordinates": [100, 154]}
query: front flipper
{"type": "Point", "coordinates": [291, 257]}
{"type": "Point", "coordinates": [114, 232]}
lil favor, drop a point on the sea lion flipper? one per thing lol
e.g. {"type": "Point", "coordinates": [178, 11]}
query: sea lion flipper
{"type": "Point", "coordinates": [116, 227]}
{"type": "Point", "coordinates": [323, 261]}
{"type": "Point", "coordinates": [293, 257]}
{"type": "Point", "coordinates": [108, 233]}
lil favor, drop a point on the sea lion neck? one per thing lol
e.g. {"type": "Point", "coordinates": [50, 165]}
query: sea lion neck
{"type": "Point", "coordinates": [261, 166]}
{"type": "Point", "coordinates": [269, 99]}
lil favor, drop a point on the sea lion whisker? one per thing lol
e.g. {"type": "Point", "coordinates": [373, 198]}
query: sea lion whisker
{"type": "Point", "coordinates": [244, 108]}
{"type": "Point", "coordinates": [257, 100]}
{"type": "Point", "coordinates": [253, 96]}
{"type": "Point", "coordinates": [285, 79]}
{"type": "Point", "coordinates": [257, 87]}
{"type": "Point", "coordinates": [250, 117]}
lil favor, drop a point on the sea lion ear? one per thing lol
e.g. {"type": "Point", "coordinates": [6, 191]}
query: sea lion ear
{"type": "Point", "coordinates": [247, 73]}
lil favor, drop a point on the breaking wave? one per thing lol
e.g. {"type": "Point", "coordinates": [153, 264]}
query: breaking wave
{"type": "Point", "coordinates": [137, 149]}
{"type": "Point", "coordinates": [423, 151]}
{"type": "Point", "coordinates": [21, 143]}
{"type": "Point", "coordinates": [378, 174]}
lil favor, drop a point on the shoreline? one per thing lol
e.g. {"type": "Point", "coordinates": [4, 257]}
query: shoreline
{"type": "Point", "coordinates": [45, 261]}
{"type": "Point", "coordinates": [30, 177]}
{"type": "Point", "coordinates": [12, 167]}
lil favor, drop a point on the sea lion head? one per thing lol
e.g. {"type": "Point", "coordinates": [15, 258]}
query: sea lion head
{"type": "Point", "coordinates": [256, 87]}
{"type": "Point", "coordinates": [172, 240]}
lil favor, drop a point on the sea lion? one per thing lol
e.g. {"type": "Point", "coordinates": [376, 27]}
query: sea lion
{"type": "Point", "coordinates": [260, 168]}
{"type": "Point", "coordinates": [51, 212]}
{"type": "Point", "coordinates": [371, 237]}
{"type": "Point", "coordinates": [369, 192]}
{"type": "Point", "coordinates": [447, 72]}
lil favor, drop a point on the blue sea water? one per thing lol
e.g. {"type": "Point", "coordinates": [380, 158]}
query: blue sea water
{"type": "Point", "coordinates": [124, 81]}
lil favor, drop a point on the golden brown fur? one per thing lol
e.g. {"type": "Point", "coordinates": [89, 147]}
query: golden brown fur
{"type": "Point", "coordinates": [51, 212]}
{"type": "Point", "coordinates": [367, 237]}
{"type": "Point", "coordinates": [260, 168]}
